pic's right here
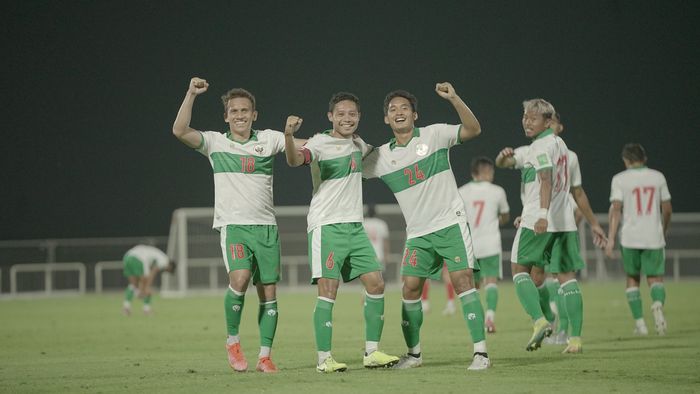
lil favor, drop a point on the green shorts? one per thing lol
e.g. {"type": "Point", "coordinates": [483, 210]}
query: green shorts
{"type": "Point", "coordinates": [650, 262]}
{"type": "Point", "coordinates": [132, 266]}
{"type": "Point", "coordinates": [424, 256]}
{"type": "Point", "coordinates": [341, 250]}
{"type": "Point", "coordinates": [253, 247]}
{"type": "Point", "coordinates": [490, 266]}
{"type": "Point", "coordinates": [558, 252]}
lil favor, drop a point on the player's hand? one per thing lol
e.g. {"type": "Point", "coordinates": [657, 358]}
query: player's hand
{"type": "Point", "coordinates": [293, 124]}
{"type": "Point", "coordinates": [599, 238]}
{"type": "Point", "coordinates": [506, 152]}
{"type": "Point", "coordinates": [516, 222]}
{"type": "Point", "coordinates": [541, 226]}
{"type": "Point", "coordinates": [609, 246]}
{"type": "Point", "coordinates": [198, 86]}
{"type": "Point", "coordinates": [445, 90]}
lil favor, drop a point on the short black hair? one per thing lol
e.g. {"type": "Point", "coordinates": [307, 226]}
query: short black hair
{"type": "Point", "coordinates": [400, 93]}
{"type": "Point", "coordinates": [235, 93]}
{"type": "Point", "coordinates": [480, 161]}
{"type": "Point", "coordinates": [634, 152]}
{"type": "Point", "coordinates": [342, 96]}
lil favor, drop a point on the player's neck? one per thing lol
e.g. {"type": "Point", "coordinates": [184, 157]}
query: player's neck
{"type": "Point", "coordinates": [403, 136]}
{"type": "Point", "coordinates": [240, 137]}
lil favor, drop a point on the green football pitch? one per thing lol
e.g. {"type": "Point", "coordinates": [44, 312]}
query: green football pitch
{"type": "Point", "coordinates": [85, 344]}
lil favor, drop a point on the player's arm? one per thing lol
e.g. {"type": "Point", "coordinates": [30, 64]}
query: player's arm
{"type": "Point", "coordinates": [545, 177]}
{"type": "Point", "coordinates": [505, 158]}
{"type": "Point", "coordinates": [503, 218]}
{"type": "Point", "coordinates": [585, 207]}
{"type": "Point", "coordinates": [614, 214]}
{"type": "Point", "coordinates": [181, 127]}
{"type": "Point", "coordinates": [145, 288]}
{"type": "Point", "coordinates": [666, 211]}
{"type": "Point", "coordinates": [294, 157]}
{"type": "Point", "coordinates": [470, 125]}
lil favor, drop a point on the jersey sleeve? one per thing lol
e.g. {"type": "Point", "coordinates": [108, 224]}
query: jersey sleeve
{"type": "Point", "coordinates": [665, 194]}
{"type": "Point", "coordinates": [502, 202]}
{"type": "Point", "coordinates": [310, 149]}
{"type": "Point", "coordinates": [364, 147]}
{"type": "Point", "coordinates": [574, 170]}
{"type": "Point", "coordinates": [615, 190]}
{"type": "Point", "coordinates": [541, 160]}
{"type": "Point", "coordinates": [276, 141]}
{"type": "Point", "coordinates": [446, 135]}
{"type": "Point", "coordinates": [520, 157]}
{"type": "Point", "coordinates": [369, 165]}
{"type": "Point", "coordinates": [207, 142]}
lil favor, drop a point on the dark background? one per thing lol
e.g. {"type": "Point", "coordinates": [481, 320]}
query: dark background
{"type": "Point", "coordinates": [91, 88]}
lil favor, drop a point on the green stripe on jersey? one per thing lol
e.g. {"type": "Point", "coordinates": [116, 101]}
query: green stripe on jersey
{"type": "Point", "coordinates": [231, 162]}
{"type": "Point", "coordinates": [528, 175]}
{"type": "Point", "coordinates": [340, 167]}
{"type": "Point", "coordinates": [417, 172]}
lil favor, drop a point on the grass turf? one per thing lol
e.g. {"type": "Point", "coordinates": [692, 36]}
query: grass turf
{"type": "Point", "coordinates": [84, 344]}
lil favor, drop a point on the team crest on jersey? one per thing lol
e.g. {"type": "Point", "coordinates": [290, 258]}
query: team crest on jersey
{"type": "Point", "coordinates": [259, 149]}
{"type": "Point", "coordinates": [421, 149]}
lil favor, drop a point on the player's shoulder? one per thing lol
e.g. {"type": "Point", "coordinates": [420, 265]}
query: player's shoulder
{"type": "Point", "coordinates": [269, 133]}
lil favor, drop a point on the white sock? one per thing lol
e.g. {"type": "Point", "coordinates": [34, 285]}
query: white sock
{"type": "Point", "coordinates": [127, 304]}
{"type": "Point", "coordinates": [264, 351]}
{"type": "Point", "coordinates": [371, 347]}
{"type": "Point", "coordinates": [640, 323]}
{"type": "Point", "coordinates": [480, 347]}
{"type": "Point", "coordinates": [233, 339]}
{"type": "Point", "coordinates": [415, 349]}
{"type": "Point", "coordinates": [491, 315]}
{"type": "Point", "coordinates": [322, 356]}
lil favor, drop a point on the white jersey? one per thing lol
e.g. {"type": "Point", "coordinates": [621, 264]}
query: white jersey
{"type": "Point", "coordinates": [421, 178]}
{"type": "Point", "coordinates": [149, 256]}
{"type": "Point", "coordinates": [641, 191]}
{"type": "Point", "coordinates": [378, 233]}
{"type": "Point", "coordinates": [242, 176]}
{"type": "Point", "coordinates": [574, 169]}
{"type": "Point", "coordinates": [336, 172]}
{"type": "Point", "coordinates": [547, 151]}
{"type": "Point", "coordinates": [484, 202]}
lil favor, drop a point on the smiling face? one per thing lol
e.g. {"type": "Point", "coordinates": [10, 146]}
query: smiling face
{"type": "Point", "coordinates": [400, 115]}
{"type": "Point", "coordinates": [240, 115]}
{"type": "Point", "coordinates": [534, 123]}
{"type": "Point", "coordinates": [345, 118]}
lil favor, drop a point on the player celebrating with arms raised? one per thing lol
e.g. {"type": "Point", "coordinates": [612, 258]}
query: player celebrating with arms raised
{"type": "Point", "coordinates": [415, 165]}
{"type": "Point", "coordinates": [338, 244]}
{"type": "Point", "coordinates": [242, 160]}
{"type": "Point", "coordinates": [637, 193]}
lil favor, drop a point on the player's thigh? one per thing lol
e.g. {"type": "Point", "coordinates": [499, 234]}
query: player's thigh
{"type": "Point", "coordinates": [565, 255]}
{"type": "Point", "coordinates": [653, 262]}
{"type": "Point", "coordinates": [132, 267]}
{"type": "Point", "coordinates": [266, 254]}
{"type": "Point", "coordinates": [235, 247]}
{"type": "Point", "coordinates": [454, 245]}
{"type": "Point", "coordinates": [490, 267]}
{"type": "Point", "coordinates": [361, 258]}
{"type": "Point", "coordinates": [631, 261]}
{"type": "Point", "coordinates": [328, 249]}
{"type": "Point", "coordinates": [420, 259]}
{"type": "Point", "coordinates": [529, 248]}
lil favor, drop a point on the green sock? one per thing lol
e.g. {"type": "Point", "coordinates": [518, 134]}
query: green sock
{"type": "Point", "coordinates": [544, 303]}
{"type": "Point", "coordinates": [491, 296]}
{"type": "Point", "coordinates": [411, 320]}
{"type": "Point", "coordinates": [129, 294]}
{"type": "Point", "coordinates": [634, 299]}
{"type": "Point", "coordinates": [563, 315]}
{"type": "Point", "coordinates": [473, 314]}
{"type": "Point", "coordinates": [527, 294]}
{"type": "Point", "coordinates": [147, 300]}
{"type": "Point", "coordinates": [553, 289]}
{"type": "Point", "coordinates": [658, 292]}
{"type": "Point", "coordinates": [267, 322]}
{"type": "Point", "coordinates": [574, 306]}
{"type": "Point", "coordinates": [233, 309]}
{"type": "Point", "coordinates": [323, 326]}
{"type": "Point", "coordinates": [374, 317]}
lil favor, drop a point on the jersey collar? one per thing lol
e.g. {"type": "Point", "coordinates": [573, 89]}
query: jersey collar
{"type": "Point", "coordinates": [253, 137]}
{"type": "Point", "coordinates": [544, 134]}
{"type": "Point", "coordinates": [393, 144]}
